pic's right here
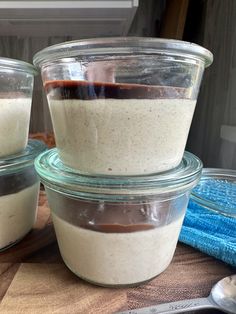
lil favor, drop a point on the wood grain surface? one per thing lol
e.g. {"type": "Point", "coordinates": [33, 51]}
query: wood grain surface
{"type": "Point", "coordinates": [52, 288]}
{"type": "Point", "coordinates": [34, 279]}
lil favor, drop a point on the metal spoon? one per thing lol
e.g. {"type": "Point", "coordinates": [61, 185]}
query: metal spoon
{"type": "Point", "coordinates": [222, 297]}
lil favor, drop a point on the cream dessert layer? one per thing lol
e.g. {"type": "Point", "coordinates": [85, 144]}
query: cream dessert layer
{"type": "Point", "coordinates": [119, 129]}
{"type": "Point", "coordinates": [116, 258]}
{"type": "Point", "coordinates": [17, 214]}
{"type": "Point", "coordinates": [14, 125]}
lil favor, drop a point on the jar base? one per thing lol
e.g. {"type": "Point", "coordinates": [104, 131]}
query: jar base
{"type": "Point", "coordinates": [8, 246]}
{"type": "Point", "coordinates": [117, 286]}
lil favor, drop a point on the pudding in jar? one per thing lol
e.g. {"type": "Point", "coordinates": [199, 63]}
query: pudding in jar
{"type": "Point", "coordinates": [19, 190]}
{"type": "Point", "coordinates": [115, 255]}
{"type": "Point", "coordinates": [122, 106]}
{"type": "Point", "coordinates": [17, 214]}
{"type": "Point", "coordinates": [117, 231]}
{"type": "Point", "coordinates": [16, 87]}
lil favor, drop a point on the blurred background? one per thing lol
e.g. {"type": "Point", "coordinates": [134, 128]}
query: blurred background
{"type": "Point", "coordinates": [28, 26]}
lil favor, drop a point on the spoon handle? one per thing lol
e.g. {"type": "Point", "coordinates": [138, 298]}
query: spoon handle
{"type": "Point", "coordinates": [174, 307]}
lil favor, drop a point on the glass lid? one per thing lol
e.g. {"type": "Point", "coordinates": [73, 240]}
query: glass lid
{"type": "Point", "coordinates": [69, 181]}
{"type": "Point", "coordinates": [22, 159]}
{"type": "Point", "coordinates": [122, 45]}
{"type": "Point", "coordinates": [19, 65]}
{"type": "Point", "coordinates": [217, 191]}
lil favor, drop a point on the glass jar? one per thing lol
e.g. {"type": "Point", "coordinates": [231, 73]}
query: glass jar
{"type": "Point", "coordinates": [117, 231]}
{"type": "Point", "coordinates": [19, 187]}
{"type": "Point", "coordinates": [216, 192]}
{"type": "Point", "coordinates": [122, 106]}
{"type": "Point", "coordinates": [16, 87]}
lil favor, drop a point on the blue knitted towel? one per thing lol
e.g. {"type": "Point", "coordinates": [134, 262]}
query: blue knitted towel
{"type": "Point", "coordinates": [211, 233]}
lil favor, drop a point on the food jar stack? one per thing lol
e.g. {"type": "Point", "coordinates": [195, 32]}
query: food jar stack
{"type": "Point", "coordinates": [119, 181]}
{"type": "Point", "coordinates": [19, 184]}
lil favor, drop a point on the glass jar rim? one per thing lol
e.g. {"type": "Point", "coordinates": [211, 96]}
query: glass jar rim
{"type": "Point", "coordinates": [55, 175]}
{"type": "Point", "coordinates": [23, 159]}
{"type": "Point", "coordinates": [219, 176]}
{"type": "Point", "coordinates": [14, 64]}
{"type": "Point", "coordinates": [122, 45]}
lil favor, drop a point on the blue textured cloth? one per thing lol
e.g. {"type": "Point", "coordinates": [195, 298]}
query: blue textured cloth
{"type": "Point", "coordinates": [210, 233]}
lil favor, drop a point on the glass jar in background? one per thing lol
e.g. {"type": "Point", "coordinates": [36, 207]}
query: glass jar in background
{"type": "Point", "coordinates": [19, 189]}
{"type": "Point", "coordinates": [216, 192]}
{"type": "Point", "coordinates": [16, 87]}
{"type": "Point", "coordinates": [122, 106]}
{"type": "Point", "coordinates": [117, 231]}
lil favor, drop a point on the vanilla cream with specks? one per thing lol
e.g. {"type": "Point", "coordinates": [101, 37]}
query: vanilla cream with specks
{"type": "Point", "coordinates": [17, 214]}
{"type": "Point", "coordinates": [18, 205]}
{"type": "Point", "coordinates": [14, 125]}
{"type": "Point", "coordinates": [119, 129]}
{"type": "Point", "coordinates": [117, 258]}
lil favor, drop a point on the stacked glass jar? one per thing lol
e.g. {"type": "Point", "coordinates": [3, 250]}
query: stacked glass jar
{"type": "Point", "coordinates": [19, 184]}
{"type": "Point", "coordinates": [119, 181]}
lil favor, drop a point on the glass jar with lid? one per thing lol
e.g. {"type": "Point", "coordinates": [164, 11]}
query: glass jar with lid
{"type": "Point", "coordinates": [122, 106]}
{"type": "Point", "coordinates": [117, 231]}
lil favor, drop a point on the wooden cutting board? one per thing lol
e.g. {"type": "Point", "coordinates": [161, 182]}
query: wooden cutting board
{"type": "Point", "coordinates": [52, 288]}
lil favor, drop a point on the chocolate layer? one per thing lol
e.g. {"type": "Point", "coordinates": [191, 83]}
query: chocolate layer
{"type": "Point", "coordinates": [111, 217]}
{"type": "Point", "coordinates": [85, 90]}
{"type": "Point", "coordinates": [118, 228]}
{"type": "Point", "coordinates": [15, 182]}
